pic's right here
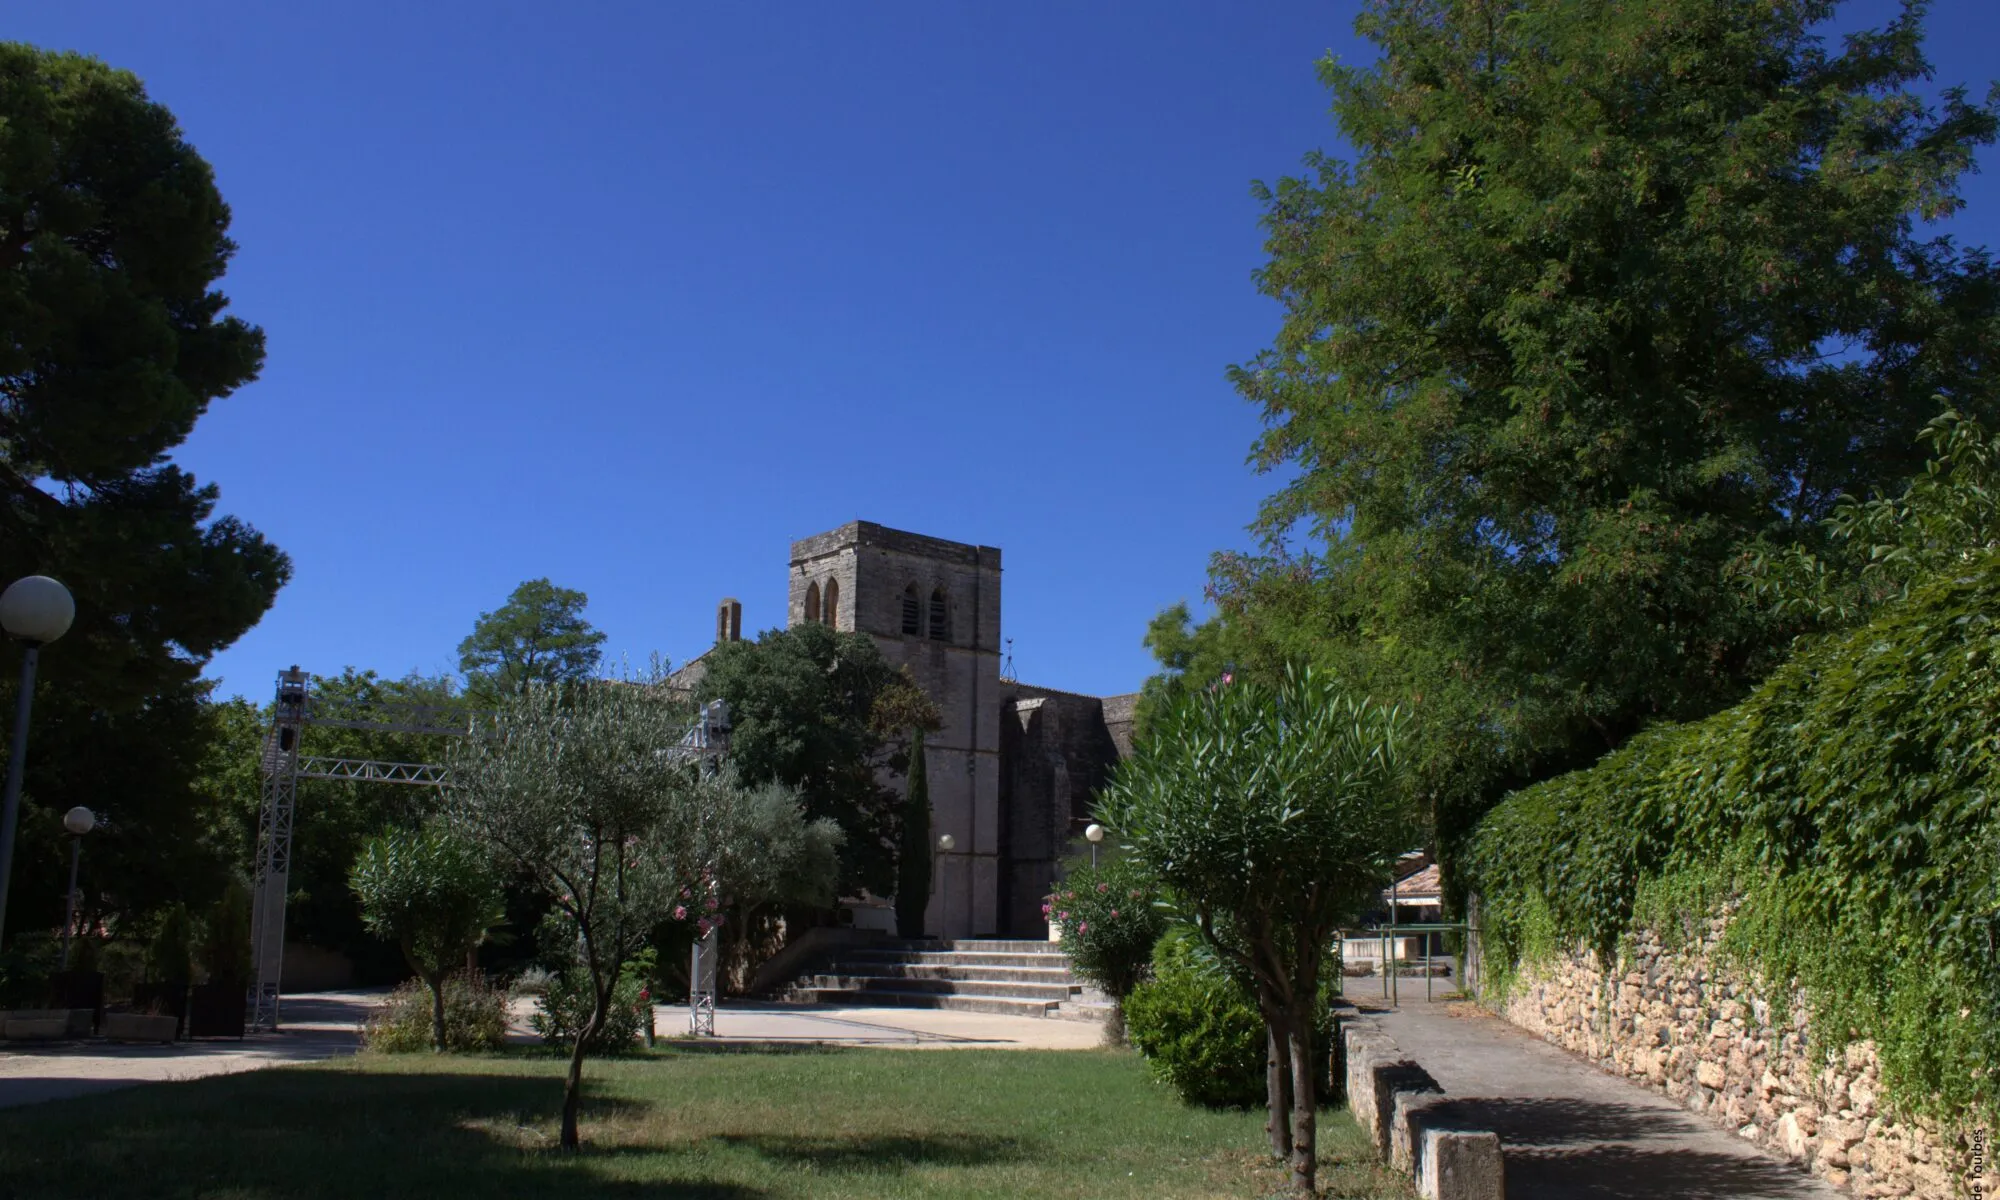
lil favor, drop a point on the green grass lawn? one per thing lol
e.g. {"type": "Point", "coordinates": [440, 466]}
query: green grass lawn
{"type": "Point", "coordinates": [680, 1122]}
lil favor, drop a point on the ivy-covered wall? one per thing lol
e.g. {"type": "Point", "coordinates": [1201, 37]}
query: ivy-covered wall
{"type": "Point", "coordinates": [1846, 813]}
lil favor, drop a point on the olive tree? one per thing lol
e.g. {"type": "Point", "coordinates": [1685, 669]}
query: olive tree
{"type": "Point", "coordinates": [1271, 815]}
{"type": "Point", "coordinates": [432, 893]}
{"type": "Point", "coordinates": [580, 788]}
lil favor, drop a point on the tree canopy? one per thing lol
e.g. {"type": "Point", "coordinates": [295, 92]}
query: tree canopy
{"type": "Point", "coordinates": [112, 236]}
{"type": "Point", "coordinates": [538, 636]}
{"type": "Point", "coordinates": [1606, 301]}
{"type": "Point", "coordinates": [434, 895]}
{"type": "Point", "coordinates": [1270, 816]}
{"type": "Point", "coordinates": [815, 709]}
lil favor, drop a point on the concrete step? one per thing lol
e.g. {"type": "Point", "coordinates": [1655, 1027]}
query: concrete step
{"type": "Point", "coordinates": [955, 958]}
{"type": "Point", "coordinates": [849, 965]}
{"type": "Point", "coordinates": [950, 987]}
{"type": "Point", "coordinates": [898, 998]}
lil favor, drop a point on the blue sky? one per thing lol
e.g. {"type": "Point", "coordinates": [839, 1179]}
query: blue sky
{"type": "Point", "coordinates": [632, 296]}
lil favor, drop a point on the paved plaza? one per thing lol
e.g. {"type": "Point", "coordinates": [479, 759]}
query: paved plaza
{"type": "Point", "coordinates": [327, 1024]}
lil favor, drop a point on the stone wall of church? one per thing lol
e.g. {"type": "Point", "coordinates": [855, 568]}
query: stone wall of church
{"type": "Point", "coordinates": [1056, 751]}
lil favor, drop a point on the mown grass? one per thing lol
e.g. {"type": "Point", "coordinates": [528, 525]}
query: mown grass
{"type": "Point", "coordinates": [678, 1123]}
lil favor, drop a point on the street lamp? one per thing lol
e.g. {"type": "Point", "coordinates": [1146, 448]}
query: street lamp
{"type": "Point", "coordinates": [36, 610]}
{"type": "Point", "coordinates": [947, 843]}
{"type": "Point", "coordinates": [78, 821]}
{"type": "Point", "coordinates": [1093, 833]}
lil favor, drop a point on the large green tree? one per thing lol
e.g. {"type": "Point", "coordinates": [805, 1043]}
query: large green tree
{"type": "Point", "coordinates": [808, 708]}
{"type": "Point", "coordinates": [538, 636]}
{"type": "Point", "coordinates": [1606, 299]}
{"type": "Point", "coordinates": [113, 343]}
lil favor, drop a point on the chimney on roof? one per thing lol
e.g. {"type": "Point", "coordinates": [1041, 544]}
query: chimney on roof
{"type": "Point", "coordinates": [729, 621]}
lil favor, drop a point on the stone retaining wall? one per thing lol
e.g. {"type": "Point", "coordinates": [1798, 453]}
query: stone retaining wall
{"type": "Point", "coordinates": [1686, 1026]}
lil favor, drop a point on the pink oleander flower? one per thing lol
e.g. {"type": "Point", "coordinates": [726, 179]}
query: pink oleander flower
{"type": "Point", "coordinates": [680, 912]}
{"type": "Point", "coordinates": [1114, 912]}
{"type": "Point", "coordinates": [1103, 887]}
{"type": "Point", "coordinates": [713, 904]}
{"type": "Point", "coordinates": [645, 995]}
{"type": "Point", "coordinates": [1062, 916]}
{"type": "Point", "coordinates": [1083, 927]}
{"type": "Point", "coordinates": [686, 895]}
{"type": "Point", "coordinates": [1045, 910]}
{"type": "Point", "coordinates": [703, 926]}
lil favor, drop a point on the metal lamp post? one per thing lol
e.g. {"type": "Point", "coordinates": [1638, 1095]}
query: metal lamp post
{"type": "Point", "coordinates": [946, 844]}
{"type": "Point", "coordinates": [78, 821]}
{"type": "Point", "coordinates": [36, 610]}
{"type": "Point", "coordinates": [1093, 834]}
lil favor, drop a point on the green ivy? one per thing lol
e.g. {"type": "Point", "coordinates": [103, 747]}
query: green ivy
{"type": "Point", "coordinates": [1847, 809]}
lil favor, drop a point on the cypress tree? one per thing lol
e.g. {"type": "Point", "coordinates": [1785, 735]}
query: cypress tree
{"type": "Point", "coordinates": [913, 864]}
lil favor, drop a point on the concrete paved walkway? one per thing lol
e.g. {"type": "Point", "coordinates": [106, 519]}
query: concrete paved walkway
{"type": "Point", "coordinates": [327, 1024]}
{"type": "Point", "coordinates": [316, 1026]}
{"type": "Point", "coordinates": [1570, 1130]}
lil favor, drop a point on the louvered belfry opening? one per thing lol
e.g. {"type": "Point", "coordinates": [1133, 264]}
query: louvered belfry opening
{"type": "Point", "coordinates": [912, 611]}
{"type": "Point", "coordinates": [831, 608]}
{"type": "Point", "coordinates": [940, 616]}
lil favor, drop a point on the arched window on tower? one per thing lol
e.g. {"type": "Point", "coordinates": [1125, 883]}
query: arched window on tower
{"type": "Point", "coordinates": [812, 602]}
{"type": "Point", "coordinates": [940, 616]}
{"type": "Point", "coordinates": [833, 603]}
{"type": "Point", "coordinates": [913, 611]}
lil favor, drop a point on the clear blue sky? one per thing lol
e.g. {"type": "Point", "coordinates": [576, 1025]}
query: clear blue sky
{"type": "Point", "coordinates": [631, 296]}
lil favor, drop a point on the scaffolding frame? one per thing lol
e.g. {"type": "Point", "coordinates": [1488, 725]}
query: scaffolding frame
{"type": "Point", "coordinates": [283, 764]}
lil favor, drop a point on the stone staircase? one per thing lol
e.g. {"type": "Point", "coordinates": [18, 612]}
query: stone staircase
{"type": "Point", "coordinates": [1016, 978]}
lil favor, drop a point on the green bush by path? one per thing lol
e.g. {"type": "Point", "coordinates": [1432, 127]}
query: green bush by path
{"type": "Point", "coordinates": [1848, 808]}
{"type": "Point", "coordinates": [475, 1017]}
{"type": "Point", "coordinates": [1200, 1034]}
{"type": "Point", "coordinates": [707, 1122]}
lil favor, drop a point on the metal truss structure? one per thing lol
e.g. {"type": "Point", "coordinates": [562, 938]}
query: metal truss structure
{"type": "Point", "coordinates": [284, 765]}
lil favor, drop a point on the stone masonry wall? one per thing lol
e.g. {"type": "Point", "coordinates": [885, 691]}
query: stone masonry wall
{"type": "Point", "coordinates": [1685, 1025]}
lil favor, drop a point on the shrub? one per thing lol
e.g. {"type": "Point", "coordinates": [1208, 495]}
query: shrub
{"type": "Point", "coordinates": [1200, 1034]}
{"type": "Point", "coordinates": [532, 981]}
{"type": "Point", "coordinates": [475, 1017]}
{"type": "Point", "coordinates": [1109, 924]}
{"type": "Point", "coordinates": [565, 1009]}
{"type": "Point", "coordinates": [1200, 1030]}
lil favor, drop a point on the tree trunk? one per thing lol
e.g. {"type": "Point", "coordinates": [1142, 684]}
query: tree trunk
{"type": "Point", "coordinates": [1277, 1085]}
{"type": "Point", "coordinates": [436, 983]}
{"type": "Point", "coordinates": [573, 1085]}
{"type": "Point", "coordinates": [1305, 1101]}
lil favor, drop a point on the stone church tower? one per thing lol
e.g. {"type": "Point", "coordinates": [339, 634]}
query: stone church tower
{"type": "Point", "coordinates": [1013, 769]}
{"type": "Point", "coordinates": [933, 606]}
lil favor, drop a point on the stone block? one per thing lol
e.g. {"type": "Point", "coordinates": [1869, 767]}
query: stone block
{"type": "Point", "coordinates": [139, 1027]}
{"type": "Point", "coordinates": [35, 1029]}
{"type": "Point", "coordinates": [1406, 1125]}
{"type": "Point", "coordinates": [1459, 1165]}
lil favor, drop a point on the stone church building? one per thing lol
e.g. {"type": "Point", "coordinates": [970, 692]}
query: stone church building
{"type": "Point", "coordinates": [1013, 769]}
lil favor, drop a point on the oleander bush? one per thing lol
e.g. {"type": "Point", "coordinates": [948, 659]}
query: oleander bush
{"type": "Point", "coordinates": [475, 1017]}
{"type": "Point", "coordinates": [1108, 922]}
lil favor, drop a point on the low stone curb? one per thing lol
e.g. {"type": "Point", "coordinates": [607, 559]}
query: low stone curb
{"type": "Point", "coordinates": [1414, 1126]}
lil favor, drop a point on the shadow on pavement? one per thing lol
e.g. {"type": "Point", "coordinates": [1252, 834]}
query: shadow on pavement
{"type": "Point", "coordinates": [1632, 1173]}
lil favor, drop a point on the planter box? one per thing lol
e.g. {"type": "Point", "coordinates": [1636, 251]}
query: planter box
{"type": "Point", "coordinates": [169, 999]}
{"type": "Point", "coordinates": [78, 990]}
{"type": "Point", "coordinates": [35, 1029]}
{"type": "Point", "coordinates": [138, 1027]}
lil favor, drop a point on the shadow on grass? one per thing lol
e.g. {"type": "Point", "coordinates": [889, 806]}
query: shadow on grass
{"type": "Point", "coordinates": [875, 1155]}
{"type": "Point", "coordinates": [693, 1047]}
{"type": "Point", "coordinates": [323, 1135]}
